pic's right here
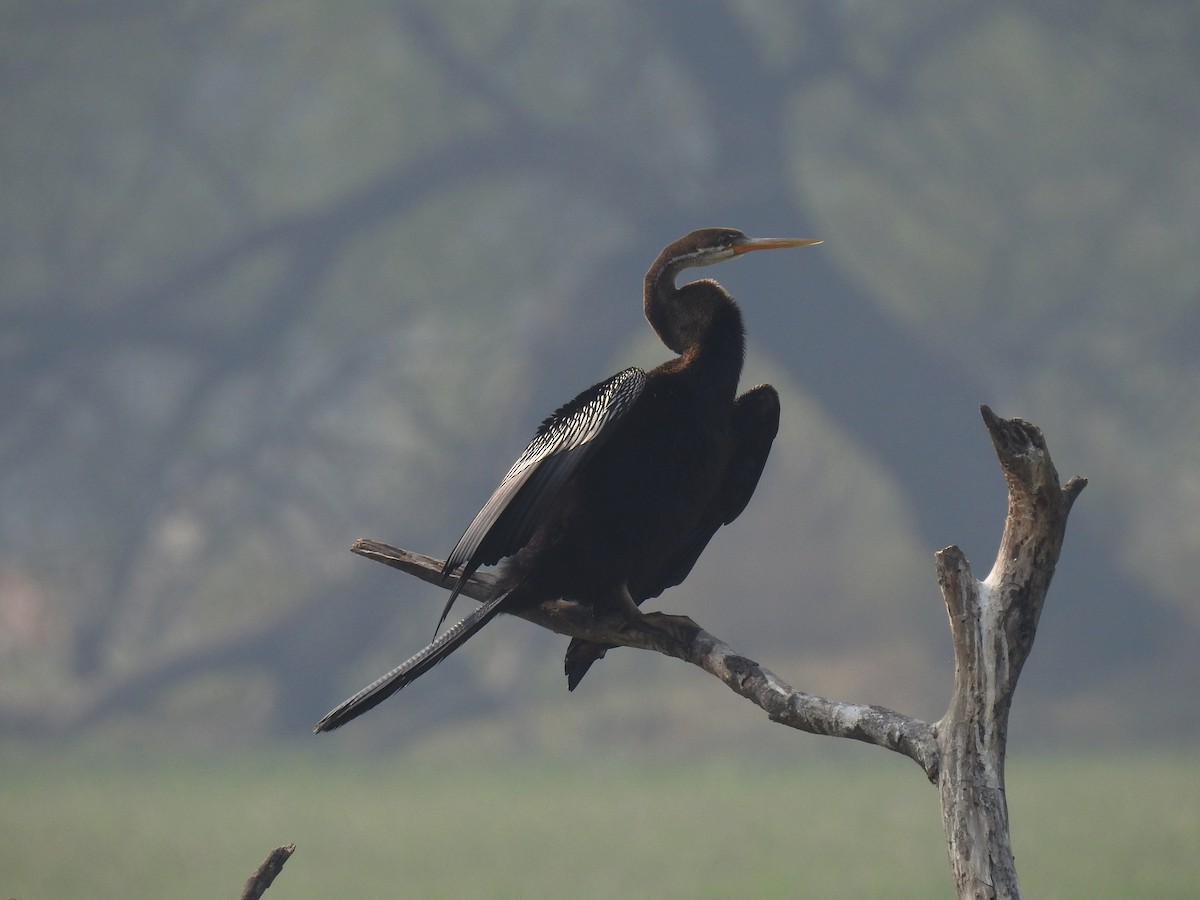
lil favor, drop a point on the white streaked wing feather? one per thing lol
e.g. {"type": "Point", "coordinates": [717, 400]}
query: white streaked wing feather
{"type": "Point", "coordinates": [562, 444]}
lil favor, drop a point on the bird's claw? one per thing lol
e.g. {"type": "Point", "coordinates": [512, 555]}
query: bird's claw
{"type": "Point", "coordinates": [679, 628]}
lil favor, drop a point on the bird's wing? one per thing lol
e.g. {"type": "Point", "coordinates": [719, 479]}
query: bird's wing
{"type": "Point", "coordinates": [563, 443]}
{"type": "Point", "coordinates": [755, 424]}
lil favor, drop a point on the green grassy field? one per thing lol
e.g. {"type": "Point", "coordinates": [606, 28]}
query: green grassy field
{"type": "Point", "coordinates": [88, 825]}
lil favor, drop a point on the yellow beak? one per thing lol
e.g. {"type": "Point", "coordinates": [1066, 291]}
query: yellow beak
{"type": "Point", "coordinates": [771, 244]}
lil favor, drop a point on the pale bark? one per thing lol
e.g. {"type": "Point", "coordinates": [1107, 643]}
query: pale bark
{"type": "Point", "coordinates": [992, 626]}
{"type": "Point", "coordinates": [267, 871]}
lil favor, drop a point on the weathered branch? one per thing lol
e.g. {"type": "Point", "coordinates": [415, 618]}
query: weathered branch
{"type": "Point", "coordinates": [992, 626]}
{"type": "Point", "coordinates": [806, 712]}
{"type": "Point", "coordinates": [268, 870]}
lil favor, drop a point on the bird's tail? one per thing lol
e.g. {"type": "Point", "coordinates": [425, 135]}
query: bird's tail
{"type": "Point", "coordinates": [441, 647]}
{"type": "Point", "coordinates": [580, 656]}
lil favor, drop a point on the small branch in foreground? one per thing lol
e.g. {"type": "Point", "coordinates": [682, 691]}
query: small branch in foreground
{"type": "Point", "coordinates": [257, 883]}
{"type": "Point", "coordinates": [796, 709]}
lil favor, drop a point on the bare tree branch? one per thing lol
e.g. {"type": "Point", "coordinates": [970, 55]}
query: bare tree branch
{"type": "Point", "coordinates": [992, 624]}
{"type": "Point", "coordinates": [258, 883]}
{"type": "Point", "coordinates": [683, 639]}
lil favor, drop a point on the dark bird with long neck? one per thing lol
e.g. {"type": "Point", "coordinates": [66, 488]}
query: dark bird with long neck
{"type": "Point", "coordinates": [622, 488]}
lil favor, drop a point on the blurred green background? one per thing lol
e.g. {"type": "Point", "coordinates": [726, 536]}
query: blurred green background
{"type": "Point", "coordinates": [277, 275]}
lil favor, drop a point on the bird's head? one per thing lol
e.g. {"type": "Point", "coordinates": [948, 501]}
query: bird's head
{"type": "Point", "coordinates": [681, 316]}
{"type": "Point", "coordinates": [713, 245]}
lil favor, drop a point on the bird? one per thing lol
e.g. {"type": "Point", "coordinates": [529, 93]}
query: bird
{"type": "Point", "coordinates": [622, 487]}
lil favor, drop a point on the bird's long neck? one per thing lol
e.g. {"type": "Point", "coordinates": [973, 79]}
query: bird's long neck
{"type": "Point", "coordinates": [661, 304]}
{"type": "Point", "coordinates": [699, 321]}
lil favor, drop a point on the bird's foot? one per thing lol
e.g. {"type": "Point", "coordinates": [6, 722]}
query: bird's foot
{"type": "Point", "coordinates": [626, 605]}
{"type": "Point", "coordinates": [680, 628]}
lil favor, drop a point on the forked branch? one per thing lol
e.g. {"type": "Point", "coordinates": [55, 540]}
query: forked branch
{"type": "Point", "coordinates": [992, 624]}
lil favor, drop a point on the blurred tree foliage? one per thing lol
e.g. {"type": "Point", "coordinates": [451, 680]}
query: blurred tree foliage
{"type": "Point", "coordinates": [276, 275]}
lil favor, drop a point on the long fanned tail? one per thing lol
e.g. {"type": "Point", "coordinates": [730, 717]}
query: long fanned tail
{"type": "Point", "coordinates": [445, 644]}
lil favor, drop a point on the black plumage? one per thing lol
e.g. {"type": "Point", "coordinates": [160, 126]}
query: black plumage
{"type": "Point", "coordinates": [623, 487]}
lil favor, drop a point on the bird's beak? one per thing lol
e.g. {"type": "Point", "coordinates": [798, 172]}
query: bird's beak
{"type": "Point", "coordinates": [770, 244]}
